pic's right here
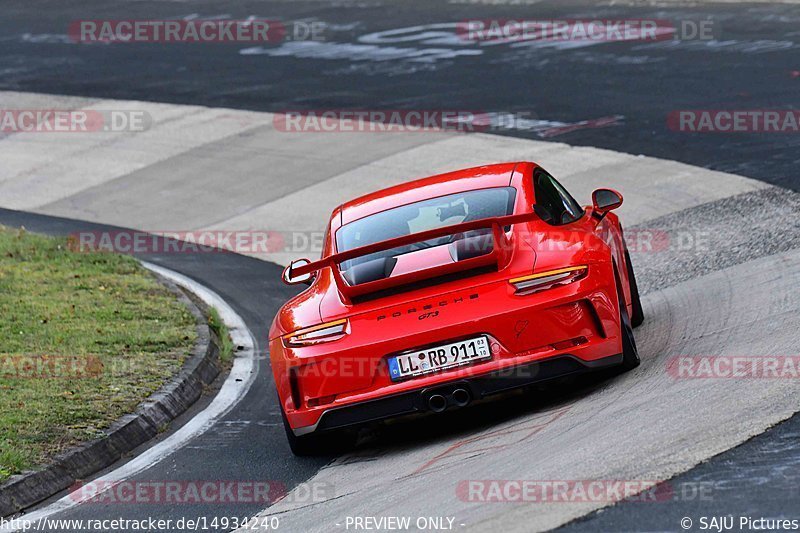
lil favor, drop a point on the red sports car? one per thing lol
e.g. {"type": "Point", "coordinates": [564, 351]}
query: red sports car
{"type": "Point", "coordinates": [445, 290]}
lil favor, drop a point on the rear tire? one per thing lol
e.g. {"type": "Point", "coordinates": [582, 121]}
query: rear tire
{"type": "Point", "coordinates": [637, 317]}
{"type": "Point", "coordinates": [318, 444]}
{"type": "Point", "coordinates": [630, 354]}
{"type": "Point", "coordinates": [301, 446]}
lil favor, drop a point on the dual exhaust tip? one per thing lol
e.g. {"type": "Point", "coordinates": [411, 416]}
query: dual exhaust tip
{"type": "Point", "coordinates": [439, 402]}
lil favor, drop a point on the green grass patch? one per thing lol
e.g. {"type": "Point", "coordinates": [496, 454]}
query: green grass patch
{"type": "Point", "coordinates": [223, 335]}
{"type": "Point", "coordinates": [84, 338]}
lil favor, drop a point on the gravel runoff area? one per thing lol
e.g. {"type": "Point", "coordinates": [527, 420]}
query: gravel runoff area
{"type": "Point", "coordinates": [715, 235]}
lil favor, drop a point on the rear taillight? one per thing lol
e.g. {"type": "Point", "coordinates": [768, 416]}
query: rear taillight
{"type": "Point", "coordinates": [327, 332]}
{"type": "Point", "coordinates": [547, 280]}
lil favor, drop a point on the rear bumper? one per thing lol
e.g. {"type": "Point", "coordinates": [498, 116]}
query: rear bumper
{"type": "Point", "coordinates": [479, 387]}
{"type": "Point", "coordinates": [580, 320]}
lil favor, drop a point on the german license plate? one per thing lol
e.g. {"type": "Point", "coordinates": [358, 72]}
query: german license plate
{"type": "Point", "coordinates": [439, 358]}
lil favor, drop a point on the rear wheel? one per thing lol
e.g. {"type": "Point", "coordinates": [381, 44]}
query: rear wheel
{"type": "Point", "coordinates": [637, 317]}
{"type": "Point", "coordinates": [326, 443]}
{"type": "Point", "coordinates": [630, 354]}
{"type": "Point", "coordinates": [304, 445]}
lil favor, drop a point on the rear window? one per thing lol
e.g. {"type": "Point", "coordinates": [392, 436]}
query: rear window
{"type": "Point", "coordinates": [426, 215]}
{"type": "Point", "coordinates": [421, 216]}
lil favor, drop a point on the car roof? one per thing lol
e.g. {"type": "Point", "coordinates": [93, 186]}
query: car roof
{"type": "Point", "coordinates": [497, 175]}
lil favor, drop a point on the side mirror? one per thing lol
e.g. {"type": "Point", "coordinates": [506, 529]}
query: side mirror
{"type": "Point", "coordinates": [290, 279]}
{"type": "Point", "coordinates": [605, 200]}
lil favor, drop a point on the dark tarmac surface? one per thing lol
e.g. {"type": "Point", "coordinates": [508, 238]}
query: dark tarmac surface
{"type": "Point", "coordinates": [409, 55]}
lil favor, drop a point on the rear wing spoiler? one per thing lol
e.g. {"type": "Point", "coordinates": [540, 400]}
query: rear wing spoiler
{"type": "Point", "coordinates": [500, 255]}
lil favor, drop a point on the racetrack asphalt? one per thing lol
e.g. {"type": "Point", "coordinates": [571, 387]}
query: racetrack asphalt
{"type": "Point", "coordinates": [266, 176]}
{"type": "Point", "coordinates": [371, 59]}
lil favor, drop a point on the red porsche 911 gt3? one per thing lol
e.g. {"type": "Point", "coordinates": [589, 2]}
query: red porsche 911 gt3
{"type": "Point", "coordinates": [445, 290]}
